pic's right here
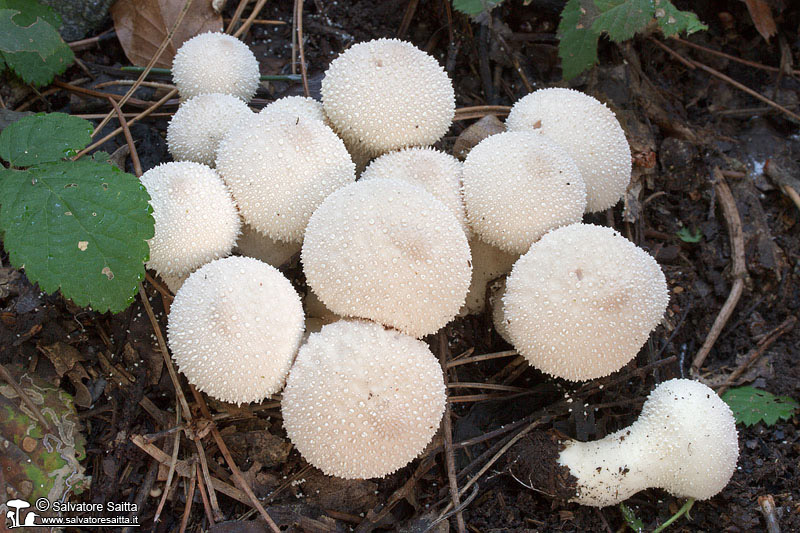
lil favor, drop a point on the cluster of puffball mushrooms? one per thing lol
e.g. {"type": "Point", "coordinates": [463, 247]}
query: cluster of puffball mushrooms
{"type": "Point", "coordinates": [401, 251]}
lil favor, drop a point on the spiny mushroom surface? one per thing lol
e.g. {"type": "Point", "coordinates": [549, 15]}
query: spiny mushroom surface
{"type": "Point", "coordinates": [582, 302]}
{"type": "Point", "coordinates": [362, 401]}
{"type": "Point", "coordinates": [386, 94]}
{"type": "Point", "coordinates": [588, 131]}
{"type": "Point", "coordinates": [215, 63]}
{"type": "Point", "coordinates": [195, 218]}
{"type": "Point", "coordinates": [684, 442]}
{"type": "Point", "coordinates": [234, 328]}
{"type": "Point", "coordinates": [299, 106]}
{"type": "Point", "coordinates": [280, 168]}
{"type": "Point", "coordinates": [389, 251]}
{"type": "Point", "coordinates": [519, 185]}
{"type": "Point", "coordinates": [436, 172]}
{"type": "Point", "coordinates": [196, 129]}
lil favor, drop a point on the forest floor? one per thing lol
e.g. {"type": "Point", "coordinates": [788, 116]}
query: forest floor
{"type": "Point", "coordinates": [689, 132]}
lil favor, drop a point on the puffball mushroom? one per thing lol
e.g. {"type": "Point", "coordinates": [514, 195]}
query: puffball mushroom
{"type": "Point", "coordinates": [234, 328]}
{"type": "Point", "coordinates": [389, 251]}
{"type": "Point", "coordinates": [588, 131]}
{"type": "Point", "coordinates": [196, 129]}
{"type": "Point", "coordinates": [299, 106]}
{"type": "Point", "coordinates": [386, 94]}
{"type": "Point", "coordinates": [488, 263]}
{"type": "Point", "coordinates": [362, 401]}
{"type": "Point", "coordinates": [215, 62]}
{"type": "Point", "coordinates": [582, 302]}
{"type": "Point", "coordinates": [280, 168]}
{"type": "Point", "coordinates": [195, 218]}
{"type": "Point", "coordinates": [684, 442]}
{"type": "Point", "coordinates": [436, 172]}
{"type": "Point", "coordinates": [251, 243]}
{"type": "Point", "coordinates": [519, 185]}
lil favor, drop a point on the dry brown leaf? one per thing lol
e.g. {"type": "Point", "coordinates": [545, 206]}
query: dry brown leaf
{"type": "Point", "coordinates": [761, 14]}
{"type": "Point", "coordinates": [142, 25]}
{"type": "Point", "coordinates": [488, 125]}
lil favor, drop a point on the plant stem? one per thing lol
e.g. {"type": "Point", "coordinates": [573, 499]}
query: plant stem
{"type": "Point", "coordinates": [682, 511]}
{"type": "Point", "coordinates": [265, 77]}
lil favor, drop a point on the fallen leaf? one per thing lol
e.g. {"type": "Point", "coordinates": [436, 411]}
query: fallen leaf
{"type": "Point", "coordinates": [488, 125]}
{"type": "Point", "coordinates": [63, 356]}
{"type": "Point", "coordinates": [761, 14]}
{"type": "Point", "coordinates": [142, 25]}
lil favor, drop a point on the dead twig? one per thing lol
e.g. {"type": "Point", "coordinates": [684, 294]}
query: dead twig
{"type": "Point", "coordinates": [408, 16]}
{"type": "Point", "coordinates": [237, 15]}
{"type": "Point", "coordinates": [738, 272]}
{"type": "Point", "coordinates": [137, 165]}
{"type": "Point", "coordinates": [477, 358]}
{"type": "Point", "coordinates": [298, 16]}
{"type": "Point", "coordinates": [249, 21]}
{"type": "Point", "coordinates": [175, 447]}
{"type": "Point", "coordinates": [187, 509]}
{"type": "Point", "coordinates": [766, 505]}
{"type": "Point", "coordinates": [447, 431]}
{"type": "Point", "coordinates": [731, 57]}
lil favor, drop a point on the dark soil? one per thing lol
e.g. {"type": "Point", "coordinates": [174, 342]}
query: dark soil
{"type": "Point", "coordinates": [681, 123]}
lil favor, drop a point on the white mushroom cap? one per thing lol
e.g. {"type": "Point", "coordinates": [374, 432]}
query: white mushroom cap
{"type": "Point", "coordinates": [498, 290]}
{"type": "Point", "coordinates": [588, 131]}
{"type": "Point", "coordinates": [215, 63]}
{"type": "Point", "coordinates": [488, 263]}
{"type": "Point", "coordinates": [361, 401]}
{"type": "Point", "coordinates": [389, 251]}
{"type": "Point", "coordinates": [582, 302]}
{"type": "Point", "coordinates": [518, 186]}
{"type": "Point", "coordinates": [234, 328]}
{"type": "Point", "coordinates": [387, 94]}
{"type": "Point", "coordinates": [280, 169]}
{"type": "Point", "coordinates": [195, 218]}
{"type": "Point", "coordinates": [196, 129]}
{"type": "Point", "coordinates": [299, 106]}
{"type": "Point", "coordinates": [253, 244]}
{"type": "Point", "coordinates": [684, 442]}
{"type": "Point", "coordinates": [436, 172]}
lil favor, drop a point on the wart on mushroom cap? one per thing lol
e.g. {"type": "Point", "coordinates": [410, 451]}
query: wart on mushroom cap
{"type": "Point", "coordinates": [518, 186]}
{"type": "Point", "coordinates": [195, 218]}
{"type": "Point", "coordinates": [215, 63]}
{"type": "Point", "coordinates": [280, 168]}
{"type": "Point", "coordinates": [588, 131]}
{"type": "Point", "coordinates": [234, 328]}
{"type": "Point", "coordinates": [582, 302]}
{"type": "Point", "coordinates": [386, 94]}
{"type": "Point", "coordinates": [196, 129]}
{"type": "Point", "coordinates": [389, 251]}
{"type": "Point", "coordinates": [362, 401]}
{"type": "Point", "coordinates": [684, 442]}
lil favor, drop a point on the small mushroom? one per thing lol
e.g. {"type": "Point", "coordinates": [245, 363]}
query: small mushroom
{"type": "Point", "coordinates": [362, 401]}
{"type": "Point", "coordinates": [234, 328]}
{"type": "Point", "coordinates": [299, 106]}
{"type": "Point", "coordinates": [488, 264]}
{"type": "Point", "coordinates": [215, 63]}
{"type": "Point", "coordinates": [582, 302]}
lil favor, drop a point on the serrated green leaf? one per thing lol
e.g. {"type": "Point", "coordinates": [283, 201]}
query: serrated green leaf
{"type": "Point", "coordinates": [621, 19]}
{"type": "Point", "coordinates": [18, 34]}
{"type": "Point", "coordinates": [32, 69]}
{"type": "Point", "coordinates": [80, 226]}
{"type": "Point", "coordinates": [673, 21]}
{"type": "Point", "coordinates": [475, 7]}
{"type": "Point", "coordinates": [686, 235]}
{"type": "Point", "coordinates": [751, 406]}
{"type": "Point", "coordinates": [43, 138]}
{"type": "Point", "coordinates": [30, 10]}
{"type": "Point", "coordinates": [631, 519]}
{"type": "Point", "coordinates": [577, 46]}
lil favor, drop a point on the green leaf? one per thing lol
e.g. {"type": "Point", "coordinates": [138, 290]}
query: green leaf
{"type": "Point", "coordinates": [32, 69]}
{"type": "Point", "coordinates": [621, 19]}
{"type": "Point", "coordinates": [673, 21]}
{"type": "Point", "coordinates": [80, 226]}
{"type": "Point", "coordinates": [30, 10]}
{"type": "Point", "coordinates": [475, 7]}
{"type": "Point", "coordinates": [17, 36]}
{"type": "Point", "coordinates": [686, 235]}
{"type": "Point", "coordinates": [751, 406]}
{"type": "Point", "coordinates": [44, 138]}
{"type": "Point", "coordinates": [577, 46]}
{"type": "Point", "coordinates": [631, 519]}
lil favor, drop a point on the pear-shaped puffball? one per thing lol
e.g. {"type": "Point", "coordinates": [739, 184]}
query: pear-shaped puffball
{"type": "Point", "coordinates": [684, 442]}
{"type": "Point", "coordinates": [279, 168]}
{"type": "Point", "coordinates": [386, 94]}
{"type": "Point", "coordinates": [518, 186]}
{"type": "Point", "coordinates": [488, 263]}
{"type": "Point", "coordinates": [234, 328]}
{"type": "Point", "coordinates": [196, 219]}
{"type": "Point", "coordinates": [588, 131]}
{"type": "Point", "coordinates": [361, 401]}
{"type": "Point", "coordinates": [215, 63]}
{"type": "Point", "coordinates": [389, 251]}
{"type": "Point", "coordinates": [196, 129]}
{"type": "Point", "coordinates": [582, 302]}
{"type": "Point", "coordinates": [436, 172]}
{"type": "Point", "coordinates": [299, 106]}
{"type": "Point", "coordinates": [253, 244]}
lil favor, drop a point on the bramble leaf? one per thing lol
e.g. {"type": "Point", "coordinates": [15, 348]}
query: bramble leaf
{"type": "Point", "coordinates": [577, 42]}
{"type": "Point", "coordinates": [621, 19]}
{"type": "Point", "coordinates": [686, 235]}
{"type": "Point", "coordinates": [30, 10]}
{"type": "Point", "coordinates": [44, 138]}
{"type": "Point", "coordinates": [751, 406]}
{"type": "Point", "coordinates": [32, 69]}
{"type": "Point", "coordinates": [673, 21]}
{"type": "Point", "coordinates": [38, 36]}
{"type": "Point", "coordinates": [475, 7]}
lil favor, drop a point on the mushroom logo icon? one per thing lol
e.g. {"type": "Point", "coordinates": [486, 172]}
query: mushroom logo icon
{"type": "Point", "coordinates": [13, 517]}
